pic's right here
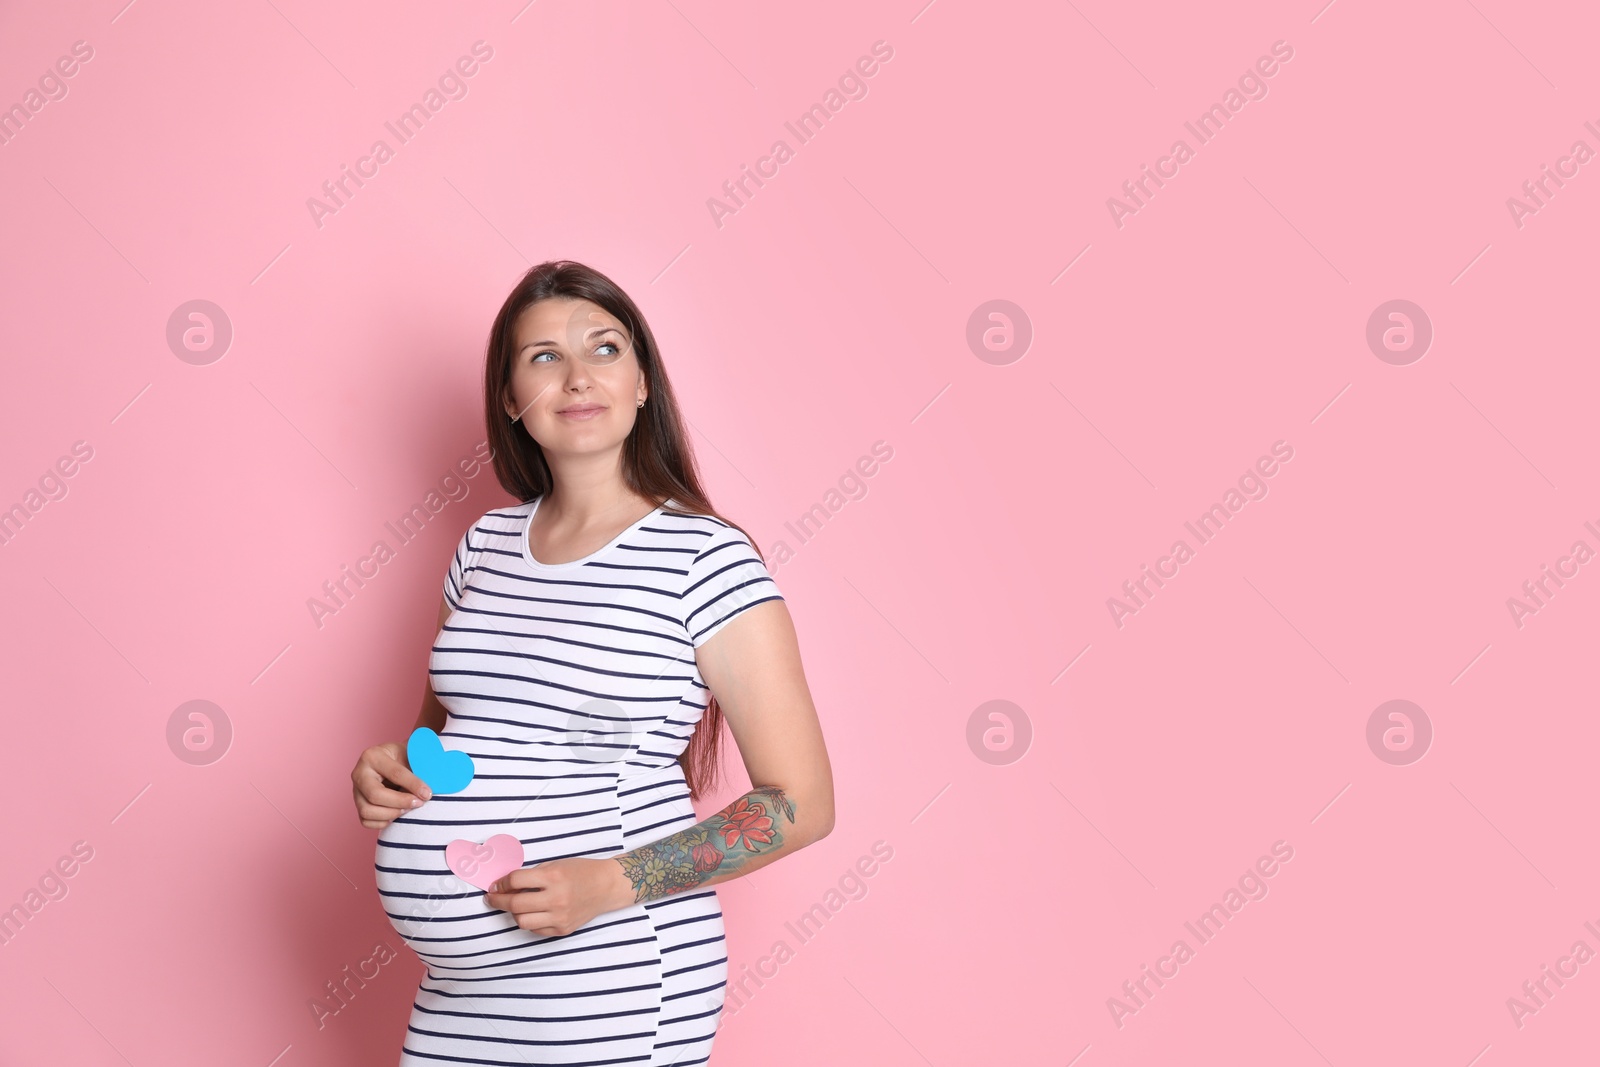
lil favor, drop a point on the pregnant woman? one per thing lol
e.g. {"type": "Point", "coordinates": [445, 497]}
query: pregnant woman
{"type": "Point", "coordinates": [592, 639]}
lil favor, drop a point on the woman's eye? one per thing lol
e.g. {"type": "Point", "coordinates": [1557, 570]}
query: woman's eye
{"type": "Point", "coordinates": [607, 350]}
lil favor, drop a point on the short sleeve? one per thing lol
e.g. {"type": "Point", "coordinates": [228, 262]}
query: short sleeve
{"type": "Point", "coordinates": [455, 579]}
{"type": "Point", "coordinates": [725, 580]}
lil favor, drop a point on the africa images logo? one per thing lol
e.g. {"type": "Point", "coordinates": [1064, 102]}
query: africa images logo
{"type": "Point", "coordinates": [1252, 85]}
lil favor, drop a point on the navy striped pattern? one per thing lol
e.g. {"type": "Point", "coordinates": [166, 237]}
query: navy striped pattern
{"type": "Point", "coordinates": [574, 689]}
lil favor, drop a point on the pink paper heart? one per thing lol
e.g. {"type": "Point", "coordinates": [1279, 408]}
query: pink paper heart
{"type": "Point", "coordinates": [481, 864]}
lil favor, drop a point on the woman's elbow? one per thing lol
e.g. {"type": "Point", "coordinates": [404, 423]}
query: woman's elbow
{"type": "Point", "coordinates": [823, 826]}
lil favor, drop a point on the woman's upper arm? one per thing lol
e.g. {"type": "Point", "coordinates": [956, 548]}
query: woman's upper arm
{"type": "Point", "coordinates": [752, 665]}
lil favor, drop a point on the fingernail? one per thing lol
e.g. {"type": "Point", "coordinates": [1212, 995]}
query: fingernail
{"type": "Point", "coordinates": [415, 802]}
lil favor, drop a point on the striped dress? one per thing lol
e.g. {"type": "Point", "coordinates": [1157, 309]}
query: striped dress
{"type": "Point", "coordinates": [573, 687]}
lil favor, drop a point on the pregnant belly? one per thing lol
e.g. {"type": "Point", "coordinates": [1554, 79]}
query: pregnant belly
{"type": "Point", "coordinates": [555, 807]}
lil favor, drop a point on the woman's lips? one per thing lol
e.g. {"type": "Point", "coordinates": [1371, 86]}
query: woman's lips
{"type": "Point", "coordinates": [584, 413]}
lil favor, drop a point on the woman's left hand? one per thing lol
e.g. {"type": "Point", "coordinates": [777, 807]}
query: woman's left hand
{"type": "Point", "coordinates": [557, 897]}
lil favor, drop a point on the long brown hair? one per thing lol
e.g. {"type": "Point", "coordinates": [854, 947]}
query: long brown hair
{"type": "Point", "coordinates": [657, 459]}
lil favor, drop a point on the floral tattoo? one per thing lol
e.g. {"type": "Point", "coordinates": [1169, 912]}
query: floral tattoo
{"type": "Point", "coordinates": [718, 845]}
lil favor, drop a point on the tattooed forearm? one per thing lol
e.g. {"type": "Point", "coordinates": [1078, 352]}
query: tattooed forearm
{"type": "Point", "coordinates": [724, 843]}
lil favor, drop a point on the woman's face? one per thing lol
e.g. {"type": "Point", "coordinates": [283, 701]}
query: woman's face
{"type": "Point", "coordinates": [575, 380]}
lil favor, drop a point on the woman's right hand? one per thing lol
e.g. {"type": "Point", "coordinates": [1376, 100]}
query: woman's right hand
{"type": "Point", "coordinates": [384, 787]}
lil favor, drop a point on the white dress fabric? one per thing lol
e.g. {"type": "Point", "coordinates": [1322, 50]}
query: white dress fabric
{"type": "Point", "coordinates": [574, 688]}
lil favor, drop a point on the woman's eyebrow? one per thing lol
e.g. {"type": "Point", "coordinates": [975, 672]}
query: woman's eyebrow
{"type": "Point", "coordinates": [598, 329]}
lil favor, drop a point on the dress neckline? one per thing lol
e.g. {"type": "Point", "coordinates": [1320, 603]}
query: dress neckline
{"type": "Point", "coordinates": [527, 548]}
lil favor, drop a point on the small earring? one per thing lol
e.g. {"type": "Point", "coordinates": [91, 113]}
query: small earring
{"type": "Point", "coordinates": [640, 404]}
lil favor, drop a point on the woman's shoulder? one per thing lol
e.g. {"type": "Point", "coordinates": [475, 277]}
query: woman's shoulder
{"type": "Point", "coordinates": [672, 511]}
{"type": "Point", "coordinates": [506, 513]}
{"type": "Point", "coordinates": [497, 520]}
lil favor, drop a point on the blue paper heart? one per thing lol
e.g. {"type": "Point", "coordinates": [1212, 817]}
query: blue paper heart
{"type": "Point", "coordinates": [445, 770]}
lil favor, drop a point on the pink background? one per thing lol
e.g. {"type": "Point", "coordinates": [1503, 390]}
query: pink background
{"type": "Point", "coordinates": [829, 313]}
